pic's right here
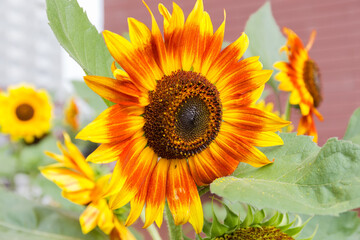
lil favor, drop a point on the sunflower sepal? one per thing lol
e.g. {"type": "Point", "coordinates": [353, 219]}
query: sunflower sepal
{"type": "Point", "coordinates": [257, 223]}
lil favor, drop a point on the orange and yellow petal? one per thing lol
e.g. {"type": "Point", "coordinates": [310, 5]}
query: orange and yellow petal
{"type": "Point", "coordinates": [89, 218]}
{"type": "Point", "coordinates": [105, 130]}
{"type": "Point", "coordinates": [155, 199]}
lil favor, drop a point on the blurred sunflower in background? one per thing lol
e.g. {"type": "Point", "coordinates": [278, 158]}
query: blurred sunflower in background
{"type": "Point", "coordinates": [183, 114]}
{"type": "Point", "coordinates": [25, 112]}
{"type": "Point", "coordinates": [301, 77]}
{"type": "Point", "coordinates": [72, 115]}
{"type": "Point", "coordinates": [79, 184]}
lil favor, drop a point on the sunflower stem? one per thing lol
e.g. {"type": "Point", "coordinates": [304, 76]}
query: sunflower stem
{"type": "Point", "coordinates": [287, 114]}
{"type": "Point", "coordinates": [175, 232]}
{"type": "Point", "coordinates": [151, 229]}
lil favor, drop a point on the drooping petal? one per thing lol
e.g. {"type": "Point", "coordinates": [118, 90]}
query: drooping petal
{"type": "Point", "coordinates": [120, 232]}
{"type": "Point", "coordinates": [106, 217]}
{"type": "Point", "coordinates": [66, 179]}
{"type": "Point", "coordinates": [196, 212]}
{"type": "Point", "coordinates": [88, 219]}
{"type": "Point", "coordinates": [107, 127]}
{"type": "Point", "coordinates": [81, 197]}
{"type": "Point", "coordinates": [155, 199]}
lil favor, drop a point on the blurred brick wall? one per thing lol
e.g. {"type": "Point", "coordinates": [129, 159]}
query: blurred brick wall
{"type": "Point", "coordinates": [336, 48]}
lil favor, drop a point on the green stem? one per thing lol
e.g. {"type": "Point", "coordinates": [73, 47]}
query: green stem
{"type": "Point", "coordinates": [175, 232]}
{"type": "Point", "coordinates": [287, 114]}
{"type": "Point", "coordinates": [204, 190]}
{"type": "Point", "coordinates": [151, 229]}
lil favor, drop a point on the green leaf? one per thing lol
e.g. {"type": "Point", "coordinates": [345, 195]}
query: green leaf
{"type": "Point", "coordinates": [304, 178]}
{"type": "Point", "coordinates": [217, 228]}
{"type": "Point", "coordinates": [344, 227]}
{"type": "Point", "coordinates": [23, 219]}
{"type": "Point", "coordinates": [79, 37]}
{"type": "Point", "coordinates": [265, 39]}
{"type": "Point", "coordinates": [353, 129]}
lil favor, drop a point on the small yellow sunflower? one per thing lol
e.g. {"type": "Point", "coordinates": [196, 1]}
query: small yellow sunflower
{"type": "Point", "coordinates": [182, 117]}
{"type": "Point", "coordinates": [72, 115]}
{"type": "Point", "coordinates": [25, 112]}
{"type": "Point", "coordinates": [301, 77]}
{"type": "Point", "coordinates": [77, 180]}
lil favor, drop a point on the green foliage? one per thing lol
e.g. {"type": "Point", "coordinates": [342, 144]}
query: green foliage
{"type": "Point", "coordinates": [304, 178]}
{"type": "Point", "coordinates": [353, 130]}
{"type": "Point", "coordinates": [346, 226]}
{"type": "Point", "coordinates": [23, 219]}
{"type": "Point", "coordinates": [79, 37]}
{"type": "Point", "coordinates": [265, 39]}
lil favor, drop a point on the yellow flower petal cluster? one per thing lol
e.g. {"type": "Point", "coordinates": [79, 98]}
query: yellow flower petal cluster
{"type": "Point", "coordinates": [25, 112]}
{"type": "Point", "coordinates": [77, 180]}
{"type": "Point", "coordinates": [301, 77]}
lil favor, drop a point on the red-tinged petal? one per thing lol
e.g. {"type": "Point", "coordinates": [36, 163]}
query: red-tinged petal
{"type": "Point", "coordinates": [139, 168]}
{"type": "Point", "coordinates": [246, 82]}
{"type": "Point", "coordinates": [173, 28]}
{"type": "Point", "coordinates": [137, 203]}
{"type": "Point", "coordinates": [82, 197]}
{"type": "Point", "coordinates": [125, 166]}
{"type": "Point", "coordinates": [230, 55]}
{"type": "Point", "coordinates": [117, 91]}
{"type": "Point", "coordinates": [113, 124]}
{"type": "Point", "coordinates": [241, 150]}
{"type": "Point", "coordinates": [140, 65]}
{"type": "Point", "coordinates": [155, 199]}
{"type": "Point", "coordinates": [213, 48]}
{"type": "Point", "coordinates": [212, 163]}
{"type": "Point", "coordinates": [106, 217]}
{"type": "Point", "coordinates": [88, 219]}
{"type": "Point", "coordinates": [260, 139]}
{"type": "Point", "coordinates": [252, 119]}
{"type": "Point", "coordinates": [108, 152]}
{"type": "Point", "coordinates": [177, 191]}
{"type": "Point", "coordinates": [245, 99]}
{"type": "Point", "coordinates": [192, 37]}
{"type": "Point", "coordinates": [67, 180]}
{"type": "Point", "coordinates": [158, 46]}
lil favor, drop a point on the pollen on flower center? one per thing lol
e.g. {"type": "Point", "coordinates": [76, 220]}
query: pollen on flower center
{"type": "Point", "coordinates": [24, 112]}
{"type": "Point", "coordinates": [311, 76]}
{"type": "Point", "coordinates": [184, 115]}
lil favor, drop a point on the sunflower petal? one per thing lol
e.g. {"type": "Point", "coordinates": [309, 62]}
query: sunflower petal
{"type": "Point", "coordinates": [82, 197]}
{"type": "Point", "coordinates": [155, 199]}
{"type": "Point", "coordinates": [107, 128]}
{"type": "Point", "coordinates": [106, 217]}
{"type": "Point", "coordinates": [88, 219]}
{"type": "Point", "coordinates": [140, 167]}
{"type": "Point", "coordinates": [177, 191]}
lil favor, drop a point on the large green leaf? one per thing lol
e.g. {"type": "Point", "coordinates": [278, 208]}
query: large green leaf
{"type": "Point", "coordinates": [265, 38]}
{"type": "Point", "coordinates": [353, 128]}
{"type": "Point", "coordinates": [23, 219]}
{"type": "Point", "coordinates": [79, 37]}
{"type": "Point", "coordinates": [343, 227]}
{"type": "Point", "coordinates": [304, 178]}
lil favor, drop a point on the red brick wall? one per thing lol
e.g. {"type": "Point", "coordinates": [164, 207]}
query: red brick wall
{"type": "Point", "coordinates": [336, 48]}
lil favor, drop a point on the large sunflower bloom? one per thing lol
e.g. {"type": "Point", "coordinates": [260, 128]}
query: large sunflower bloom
{"type": "Point", "coordinates": [77, 180]}
{"type": "Point", "coordinates": [25, 112]}
{"type": "Point", "coordinates": [182, 115]}
{"type": "Point", "coordinates": [301, 77]}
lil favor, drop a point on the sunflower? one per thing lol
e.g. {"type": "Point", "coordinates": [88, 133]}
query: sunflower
{"type": "Point", "coordinates": [77, 180]}
{"type": "Point", "coordinates": [301, 77]}
{"type": "Point", "coordinates": [25, 112]}
{"type": "Point", "coordinates": [182, 117]}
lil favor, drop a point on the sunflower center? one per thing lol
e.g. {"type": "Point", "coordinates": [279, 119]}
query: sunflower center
{"type": "Point", "coordinates": [184, 115]}
{"type": "Point", "coordinates": [24, 112]}
{"type": "Point", "coordinates": [311, 76]}
{"type": "Point", "coordinates": [256, 233]}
